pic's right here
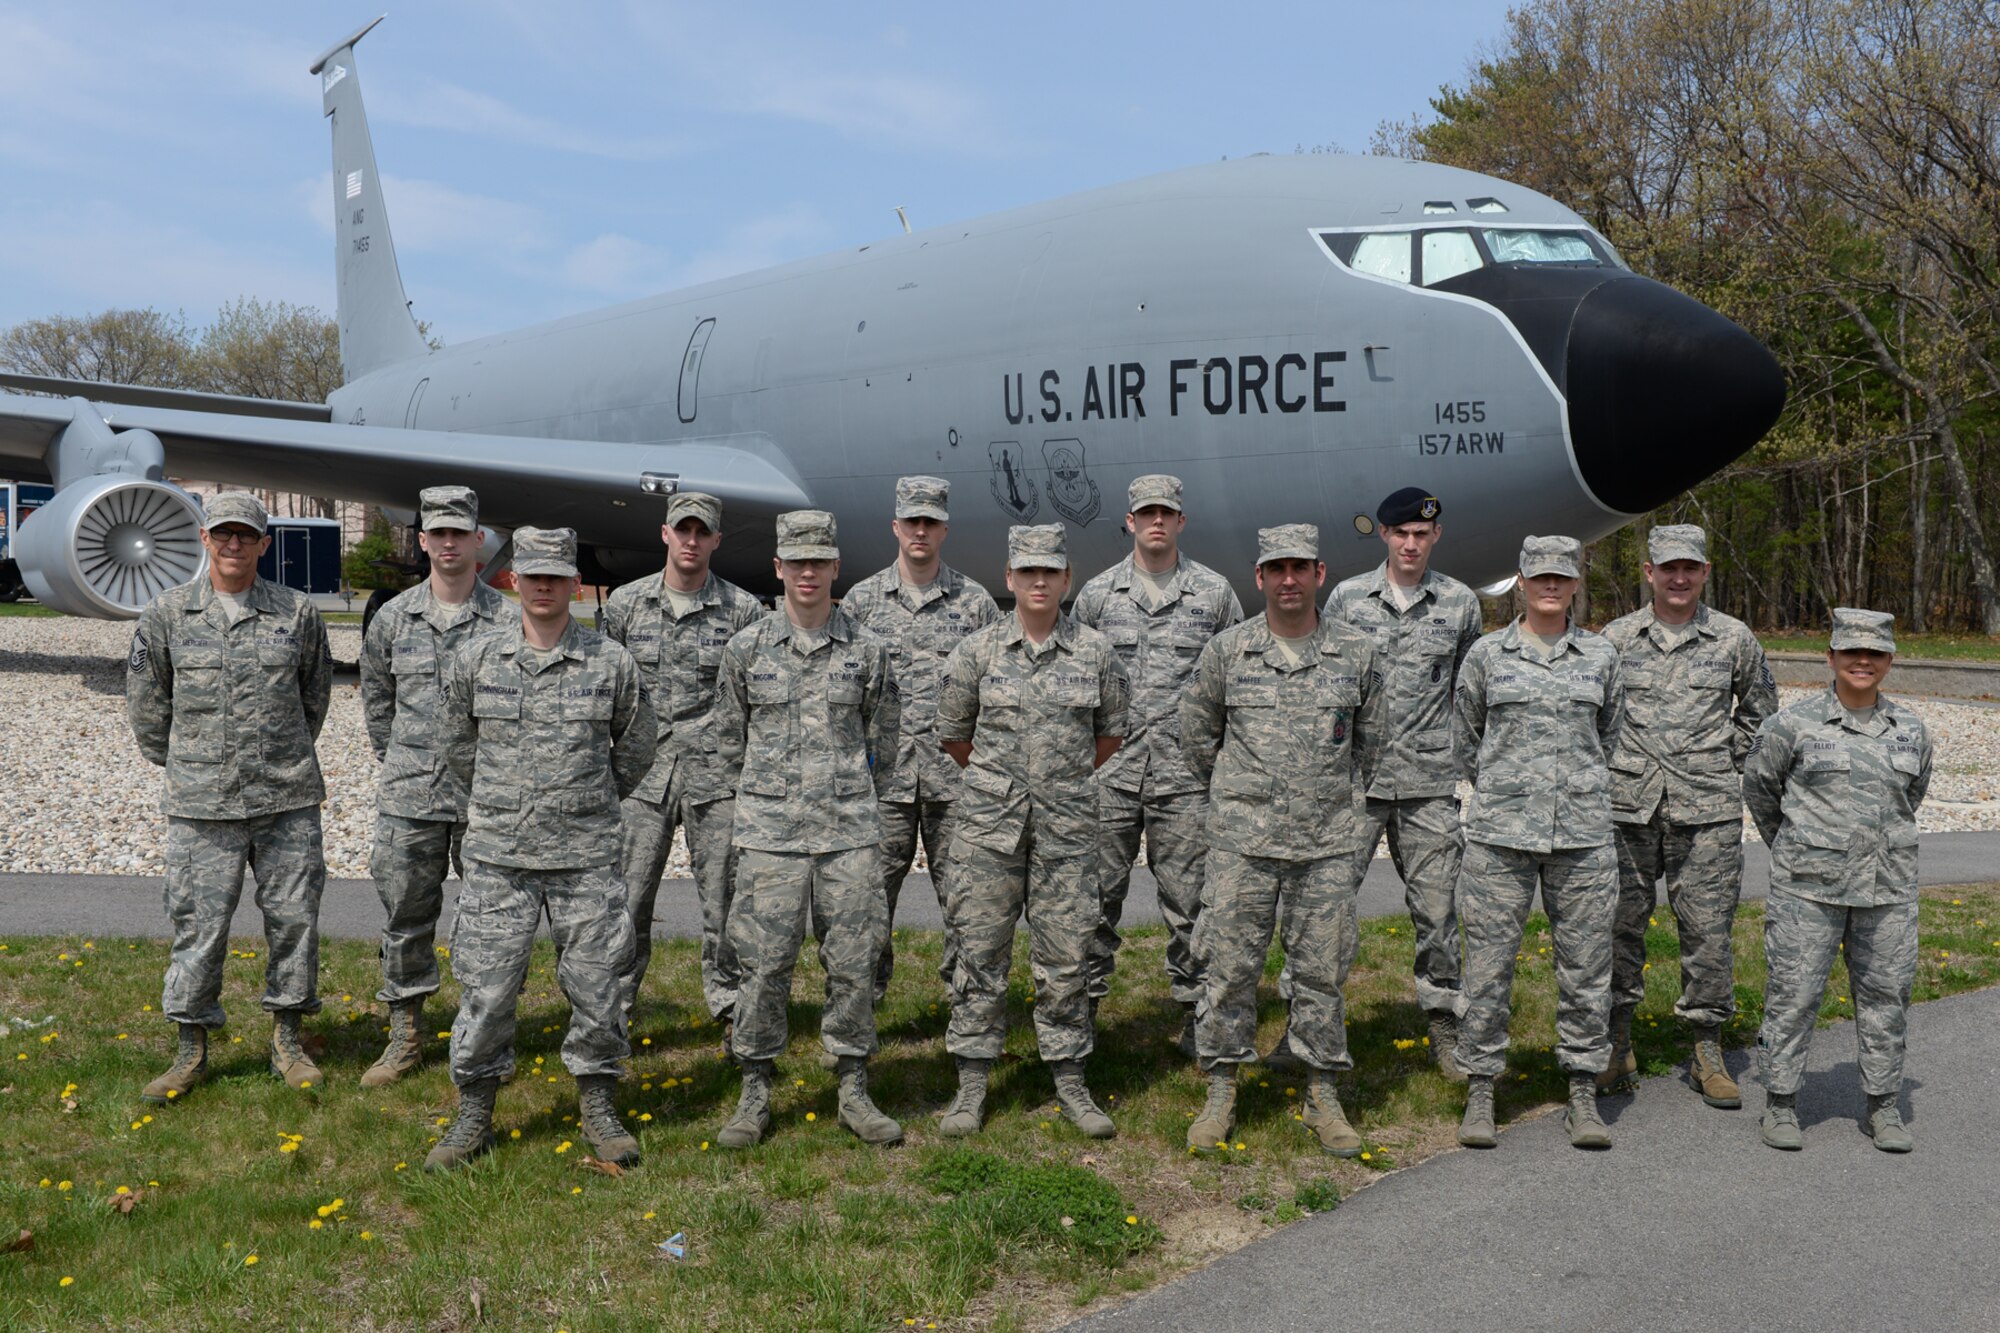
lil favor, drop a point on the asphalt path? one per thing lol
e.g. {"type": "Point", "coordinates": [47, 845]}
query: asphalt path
{"type": "Point", "coordinates": [130, 905]}
{"type": "Point", "coordinates": [1689, 1222]}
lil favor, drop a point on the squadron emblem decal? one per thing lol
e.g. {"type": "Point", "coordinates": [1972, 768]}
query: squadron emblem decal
{"type": "Point", "coordinates": [1072, 492]}
{"type": "Point", "coordinates": [1013, 489]}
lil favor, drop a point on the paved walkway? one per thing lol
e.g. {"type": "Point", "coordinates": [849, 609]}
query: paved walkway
{"type": "Point", "coordinates": [1688, 1223]}
{"type": "Point", "coordinates": [129, 905]}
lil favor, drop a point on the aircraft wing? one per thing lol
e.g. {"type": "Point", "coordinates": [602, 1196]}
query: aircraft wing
{"type": "Point", "coordinates": [598, 487]}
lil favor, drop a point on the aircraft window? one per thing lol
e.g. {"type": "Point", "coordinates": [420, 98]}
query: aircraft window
{"type": "Point", "coordinates": [1383, 255]}
{"type": "Point", "coordinates": [1486, 205]}
{"type": "Point", "coordinates": [1434, 207]}
{"type": "Point", "coordinates": [1448, 254]}
{"type": "Point", "coordinates": [1540, 247]}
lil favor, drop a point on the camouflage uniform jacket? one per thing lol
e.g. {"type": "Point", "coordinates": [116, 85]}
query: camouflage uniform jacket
{"type": "Point", "coordinates": [678, 659]}
{"type": "Point", "coordinates": [1533, 736]}
{"type": "Point", "coordinates": [1837, 803]}
{"type": "Point", "coordinates": [231, 710]}
{"type": "Point", "coordinates": [798, 729]}
{"type": "Point", "coordinates": [1418, 652]}
{"type": "Point", "coordinates": [1033, 716]}
{"type": "Point", "coordinates": [1277, 742]}
{"type": "Point", "coordinates": [403, 657]}
{"type": "Point", "coordinates": [547, 744]}
{"type": "Point", "coordinates": [923, 626]}
{"type": "Point", "coordinates": [1158, 650]}
{"type": "Point", "coordinates": [1681, 746]}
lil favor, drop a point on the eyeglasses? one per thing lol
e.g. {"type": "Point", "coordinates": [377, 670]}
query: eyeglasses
{"type": "Point", "coordinates": [234, 537]}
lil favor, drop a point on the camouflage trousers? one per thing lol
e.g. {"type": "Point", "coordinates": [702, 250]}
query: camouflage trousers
{"type": "Point", "coordinates": [1703, 867]}
{"type": "Point", "coordinates": [778, 896]}
{"type": "Point", "coordinates": [1802, 937]}
{"type": "Point", "coordinates": [1173, 828]}
{"type": "Point", "coordinates": [492, 938]}
{"type": "Point", "coordinates": [989, 892]}
{"type": "Point", "coordinates": [903, 822]}
{"type": "Point", "coordinates": [1312, 903]}
{"type": "Point", "coordinates": [206, 859]}
{"type": "Point", "coordinates": [1496, 887]}
{"type": "Point", "coordinates": [1425, 845]}
{"type": "Point", "coordinates": [409, 862]}
{"type": "Point", "coordinates": [647, 828]}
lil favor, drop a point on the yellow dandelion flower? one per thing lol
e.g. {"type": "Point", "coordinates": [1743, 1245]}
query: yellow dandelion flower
{"type": "Point", "coordinates": [145, 1120]}
{"type": "Point", "coordinates": [513, 1133]}
{"type": "Point", "coordinates": [368, 1235]}
{"type": "Point", "coordinates": [152, 1184]}
{"type": "Point", "coordinates": [401, 1165]}
{"type": "Point", "coordinates": [444, 1035]}
{"type": "Point", "coordinates": [67, 1281]}
{"type": "Point", "coordinates": [648, 1217]}
{"type": "Point", "coordinates": [563, 1147]}
{"type": "Point", "coordinates": [811, 1116]}
{"type": "Point", "coordinates": [315, 1224]}
{"type": "Point", "coordinates": [64, 1186]}
{"type": "Point", "coordinates": [645, 1117]}
{"type": "Point", "coordinates": [1131, 1220]}
{"type": "Point", "coordinates": [577, 1190]}
{"type": "Point", "coordinates": [704, 1145]}
{"type": "Point", "coordinates": [249, 1260]}
{"type": "Point", "coordinates": [122, 1036]}
{"type": "Point", "coordinates": [1367, 1157]}
{"type": "Point", "coordinates": [1239, 1147]}
{"type": "Point", "coordinates": [124, 1189]}
{"type": "Point", "coordinates": [45, 1182]}
{"type": "Point", "coordinates": [645, 1041]}
{"type": "Point", "coordinates": [135, 1124]}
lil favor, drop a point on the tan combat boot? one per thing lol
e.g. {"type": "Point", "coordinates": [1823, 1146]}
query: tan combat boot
{"type": "Point", "coordinates": [752, 1120]}
{"type": "Point", "coordinates": [1325, 1119]}
{"type": "Point", "coordinates": [597, 1116]}
{"type": "Point", "coordinates": [1781, 1121]}
{"type": "Point", "coordinates": [1621, 1074]}
{"type": "Point", "coordinates": [405, 1052]}
{"type": "Point", "coordinates": [1586, 1127]}
{"type": "Point", "coordinates": [967, 1112]}
{"type": "Point", "coordinates": [471, 1131]}
{"type": "Point", "coordinates": [1444, 1044]}
{"type": "Point", "coordinates": [858, 1110]}
{"type": "Point", "coordinates": [1077, 1107]}
{"type": "Point", "coordinates": [289, 1060]}
{"type": "Point", "coordinates": [1476, 1130]}
{"type": "Point", "coordinates": [1210, 1131]}
{"type": "Point", "coordinates": [190, 1067]}
{"type": "Point", "coordinates": [1709, 1075]}
{"type": "Point", "coordinates": [1885, 1124]}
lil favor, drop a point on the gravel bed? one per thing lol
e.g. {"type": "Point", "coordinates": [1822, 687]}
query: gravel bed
{"type": "Point", "coordinates": [76, 798]}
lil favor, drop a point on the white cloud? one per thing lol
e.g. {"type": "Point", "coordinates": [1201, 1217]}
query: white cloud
{"type": "Point", "coordinates": [758, 243]}
{"type": "Point", "coordinates": [617, 266]}
{"type": "Point", "coordinates": [446, 106]}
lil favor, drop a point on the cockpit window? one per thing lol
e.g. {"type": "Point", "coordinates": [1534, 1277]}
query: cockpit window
{"type": "Point", "coordinates": [1487, 204]}
{"type": "Point", "coordinates": [1539, 247]}
{"type": "Point", "coordinates": [1383, 255]}
{"type": "Point", "coordinates": [1434, 207]}
{"type": "Point", "coordinates": [1447, 254]}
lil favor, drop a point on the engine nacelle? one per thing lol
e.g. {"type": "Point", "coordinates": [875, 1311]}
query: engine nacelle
{"type": "Point", "coordinates": [107, 545]}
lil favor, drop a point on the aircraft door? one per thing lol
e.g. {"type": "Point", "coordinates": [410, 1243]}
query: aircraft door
{"type": "Point", "coordinates": [416, 401]}
{"type": "Point", "coordinates": [691, 368]}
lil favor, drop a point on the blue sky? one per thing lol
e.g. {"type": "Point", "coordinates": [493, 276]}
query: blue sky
{"type": "Point", "coordinates": [543, 159]}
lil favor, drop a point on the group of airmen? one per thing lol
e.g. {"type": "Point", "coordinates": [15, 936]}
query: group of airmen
{"type": "Point", "coordinates": [805, 752]}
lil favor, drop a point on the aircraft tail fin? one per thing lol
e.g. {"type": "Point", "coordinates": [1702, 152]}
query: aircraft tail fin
{"type": "Point", "coordinates": [376, 327]}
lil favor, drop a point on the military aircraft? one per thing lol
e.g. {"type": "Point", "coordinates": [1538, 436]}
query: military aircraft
{"type": "Point", "coordinates": [1295, 336]}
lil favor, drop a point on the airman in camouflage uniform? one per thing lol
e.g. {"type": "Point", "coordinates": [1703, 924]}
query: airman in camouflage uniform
{"type": "Point", "coordinates": [1833, 784]}
{"type": "Point", "coordinates": [925, 609]}
{"type": "Point", "coordinates": [805, 725]}
{"type": "Point", "coordinates": [1030, 705]}
{"type": "Point", "coordinates": [1537, 712]}
{"type": "Point", "coordinates": [548, 728]}
{"type": "Point", "coordinates": [228, 687]}
{"type": "Point", "coordinates": [1423, 625]}
{"type": "Point", "coordinates": [1273, 719]}
{"type": "Point", "coordinates": [676, 624]}
{"type": "Point", "coordinates": [1697, 688]}
{"type": "Point", "coordinates": [1157, 608]}
{"type": "Point", "coordinates": [420, 807]}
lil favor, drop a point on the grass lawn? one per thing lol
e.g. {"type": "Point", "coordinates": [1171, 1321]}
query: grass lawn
{"type": "Point", "coordinates": [1944, 647]}
{"type": "Point", "coordinates": [251, 1206]}
{"type": "Point", "coordinates": [26, 609]}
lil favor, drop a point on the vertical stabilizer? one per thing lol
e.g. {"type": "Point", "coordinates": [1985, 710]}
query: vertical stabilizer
{"type": "Point", "coordinates": [376, 328]}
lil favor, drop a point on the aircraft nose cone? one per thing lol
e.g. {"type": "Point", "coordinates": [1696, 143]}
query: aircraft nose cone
{"type": "Point", "coordinates": [1663, 391]}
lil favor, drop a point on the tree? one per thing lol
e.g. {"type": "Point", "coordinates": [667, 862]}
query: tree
{"type": "Point", "coordinates": [261, 350]}
{"type": "Point", "coordinates": [113, 346]}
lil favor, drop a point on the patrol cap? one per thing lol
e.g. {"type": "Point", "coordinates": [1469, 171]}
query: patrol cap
{"type": "Point", "coordinates": [1155, 488]}
{"type": "Point", "coordinates": [1288, 541]}
{"type": "Point", "coordinates": [1855, 628]}
{"type": "Point", "coordinates": [694, 504]}
{"type": "Point", "coordinates": [808, 534]}
{"type": "Point", "coordinates": [449, 507]}
{"type": "Point", "coordinates": [1677, 541]}
{"type": "Point", "coordinates": [235, 507]}
{"type": "Point", "coordinates": [1551, 555]}
{"type": "Point", "coordinates": [922, 497]}
{"type": "Point", "coordinates": [1039, 546]}
{"type": "Point", "coordinates": [545, 551]}
{"type": "Point", "coordinates": [1412, 504]}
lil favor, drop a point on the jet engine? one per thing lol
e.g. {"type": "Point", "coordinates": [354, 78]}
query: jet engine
{"type": "Point", "coordinates": [106, 545]}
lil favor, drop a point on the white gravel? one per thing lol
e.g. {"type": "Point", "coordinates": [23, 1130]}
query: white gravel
{"type": "Point", "coordinates": [76, 798]}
